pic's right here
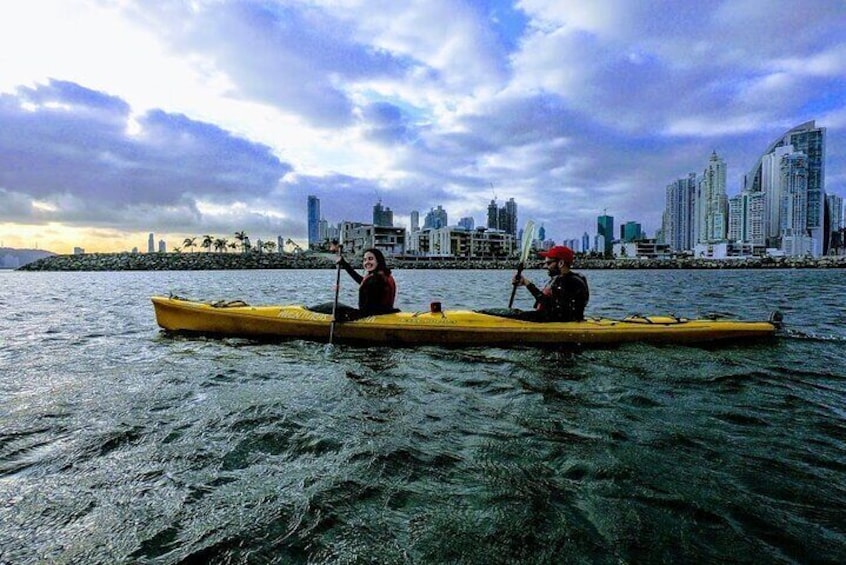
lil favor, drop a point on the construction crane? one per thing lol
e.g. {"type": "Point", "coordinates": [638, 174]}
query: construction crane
{"type": "Point", "coordinates": [292, 243]}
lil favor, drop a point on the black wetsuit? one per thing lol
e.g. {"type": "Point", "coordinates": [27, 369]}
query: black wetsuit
{"type": "Point", "coordinates": [562, 300]}
{"type": "Point", "coordinates": [376, 292]}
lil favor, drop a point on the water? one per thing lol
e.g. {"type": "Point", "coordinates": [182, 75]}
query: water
{"type": "Point", "coordinates": [119, 444]}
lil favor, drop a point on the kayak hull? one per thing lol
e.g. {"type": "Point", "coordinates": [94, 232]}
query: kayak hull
{"type": "Point", "coordinates": [451, 327]}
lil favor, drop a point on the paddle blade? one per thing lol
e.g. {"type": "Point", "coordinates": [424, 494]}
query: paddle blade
{"type": "Point", "coordinates": [526, 244]}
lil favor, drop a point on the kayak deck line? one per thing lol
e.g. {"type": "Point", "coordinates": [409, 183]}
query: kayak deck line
{"type": "Point", "coordinates": [448, 327]}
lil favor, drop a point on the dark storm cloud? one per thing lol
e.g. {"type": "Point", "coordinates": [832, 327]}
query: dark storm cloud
{"type": "Point", "coordinates": [61, 142]}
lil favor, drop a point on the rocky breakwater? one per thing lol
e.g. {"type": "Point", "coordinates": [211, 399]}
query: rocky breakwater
{"type": "Point", "coordinates": [831, 262]}
{"type": "Point", "coordinates": [178, 262]}
{"type": "Point", "coordinates": [228, 261]}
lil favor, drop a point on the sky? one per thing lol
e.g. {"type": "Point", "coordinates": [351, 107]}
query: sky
{"type": "Point", "coordinates": [185, 118]}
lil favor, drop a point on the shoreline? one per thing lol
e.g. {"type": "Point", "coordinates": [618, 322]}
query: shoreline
{"type": "Point", "coordinates": [204, 261]}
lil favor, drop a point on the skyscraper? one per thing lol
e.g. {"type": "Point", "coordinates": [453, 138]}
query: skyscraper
{"type": "Point", "coordinates": [151, 244]}
{"type": "Point", "coordinates": [503, 218]}
{"type": "Point", "coordinates": [415, 221]}
{"type": "Point", "coordinates": [313, 221]}
{"type": "Point", "coordinates": [746, 219]}
{"type": "Point", "coordinates": [810, 141]}
{"type": "Point", "coordinates": [835, 211]}
{"type": "Point", "coordinates": [836, 220]}
{"type": "Point", "coordinates": [796, 239]}
{"type": "Point", "coordinates": [712, 203]}
{"type": "Point", "coordinates": [770, 186]}
{"type": "Point", "coordinates": [509, 222]}
{"type": "Point", "coordinates": [382, 216]}
{"type": "Point", "coordinates": [679, 219]}
{"type": "Point", "coordinates": [493, 215]}
{"type": "Point", "coordinates": [767, 177]}
{"type": "Point", "coordinates": [436, 218]}
{"type": "Point", "coordinates": [630, 231]}
{"type": "Point", "coordinates": [605, 230]}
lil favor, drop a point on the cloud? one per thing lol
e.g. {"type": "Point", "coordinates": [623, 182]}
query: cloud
{"type": "Point", "coordinates": [292, 56]}
{"type": "Point", "coordinates": [69, 146]}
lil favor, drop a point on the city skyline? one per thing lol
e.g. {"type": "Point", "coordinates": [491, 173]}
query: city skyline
{"type": "Point", "coordinates": [146, 120]}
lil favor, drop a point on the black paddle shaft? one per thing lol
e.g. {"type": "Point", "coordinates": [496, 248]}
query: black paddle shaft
{"type": "Point", "coordinates": [514, 286]}
{"type": "Point", "coordinates": [337, 291]}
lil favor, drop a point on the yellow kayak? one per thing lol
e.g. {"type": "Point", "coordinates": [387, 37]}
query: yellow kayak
{"type": "Point", "coordinates": [450, 327]}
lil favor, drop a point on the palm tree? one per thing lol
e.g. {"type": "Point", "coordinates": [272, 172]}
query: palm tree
{"type": "Point", "coordinates": [208, 241]}
{"type": "Point", "coordinates": [220, 245]}
{"type": "Point", "coordinates": [269, 246]}
{"type": "Point", "coordinates": [233, 245]}
{"type": "Point", "coordinates": [241, 236]}
{"type": "Point", "coordinates": [190, 242]}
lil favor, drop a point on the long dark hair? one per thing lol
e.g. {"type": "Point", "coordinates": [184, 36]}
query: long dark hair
{"type": "Point", "coordinates": [381, 265]}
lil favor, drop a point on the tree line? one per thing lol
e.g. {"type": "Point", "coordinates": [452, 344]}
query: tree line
{"type": "Point", "coordinates": [224, 245]}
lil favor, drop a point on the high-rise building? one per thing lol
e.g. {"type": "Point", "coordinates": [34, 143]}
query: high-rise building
{"type": "Point", "coordinates": [493, 215]}
{"type": "Point", "coordinates": [796, 238]}
{"type": "Point", "coordinates": [508, 221]}
{"type": "Point", "coordinates": [835, 212]}
{"type": "Point", "coordinates": [605, 230]}
{"type": "Point", "coordinates": [162, 246]}
{"type": "Point", "coordinates": [712, 203]}
{"type": "Point", "coordinates": [382, 216]}
{"type": "Point", "coordinates": [766, 176]}
{"type": "Point", "coordinates": [151, 244]}
{"type": "Point", "coordinates": [585, 242]}
{"type": "Point", "coordinates": [631, 231]}
{"type": "Point", "coordinates": [503, 218]}
{"type": "Point", "coordinates": [679, 219]}
{"type": "Point", "coordinates": [836, 220]}
{"type": "Point", "coordinates": [436, 218]}
{"type": "Point", "coordinates": [746, 218]}
{"type": "Point", "coordinates": [770, 186]}
{"type": "Point", "coordinates": [541, 233]}
{"type": "Point", "coordinates": [415, 221]}
{"type": "Point", "coordinates": [599, 244]}
{"type": "Point", "coordinates": [313, 221]}
{"type": "Point", "coordinates": [467, 223]}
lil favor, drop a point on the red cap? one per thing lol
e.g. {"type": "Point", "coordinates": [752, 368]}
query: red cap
{"type": "Point", "coordinates": [559, 252]}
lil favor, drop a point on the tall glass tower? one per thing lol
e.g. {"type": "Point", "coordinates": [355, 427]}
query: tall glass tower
{"type": "Point", "coordinates": [712, 202]}
{"type": "Point", "coordinates": [605, 229]}
{"type": "Point", "coordinates": [767, 176]}
{"type": "Point", "coordinates": [313, 221]}
{"type": "Point", "coordinates": [679, 214]}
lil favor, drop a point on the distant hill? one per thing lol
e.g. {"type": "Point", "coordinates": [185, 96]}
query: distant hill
{"type": "Point", "coordinates": [14, 258]}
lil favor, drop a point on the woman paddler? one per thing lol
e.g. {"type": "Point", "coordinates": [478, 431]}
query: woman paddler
{"type": "Point", "coordinates": [377, 288]}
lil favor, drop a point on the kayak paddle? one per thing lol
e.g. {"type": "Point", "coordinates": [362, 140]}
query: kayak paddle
{"type": "Point", "coordinates": [528, 235]}
{"type": "Point", "coordinates": [337, 290]}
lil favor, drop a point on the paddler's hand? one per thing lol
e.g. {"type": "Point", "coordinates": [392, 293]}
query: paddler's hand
{"type": "Point", "coordinates": [520, 280]}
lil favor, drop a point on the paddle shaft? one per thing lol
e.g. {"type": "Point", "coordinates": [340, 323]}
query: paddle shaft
{"type": "Point", "coordinates": [337, 291]}
{"type": "Point", "coordinates": [514, 286]}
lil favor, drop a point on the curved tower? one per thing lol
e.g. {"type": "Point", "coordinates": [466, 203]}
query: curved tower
{"type": "Point", "coordinates": [775, 175]}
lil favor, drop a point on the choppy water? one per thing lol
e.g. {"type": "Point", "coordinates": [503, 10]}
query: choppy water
{"type": "Point", "coordinates": [119, 444]}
